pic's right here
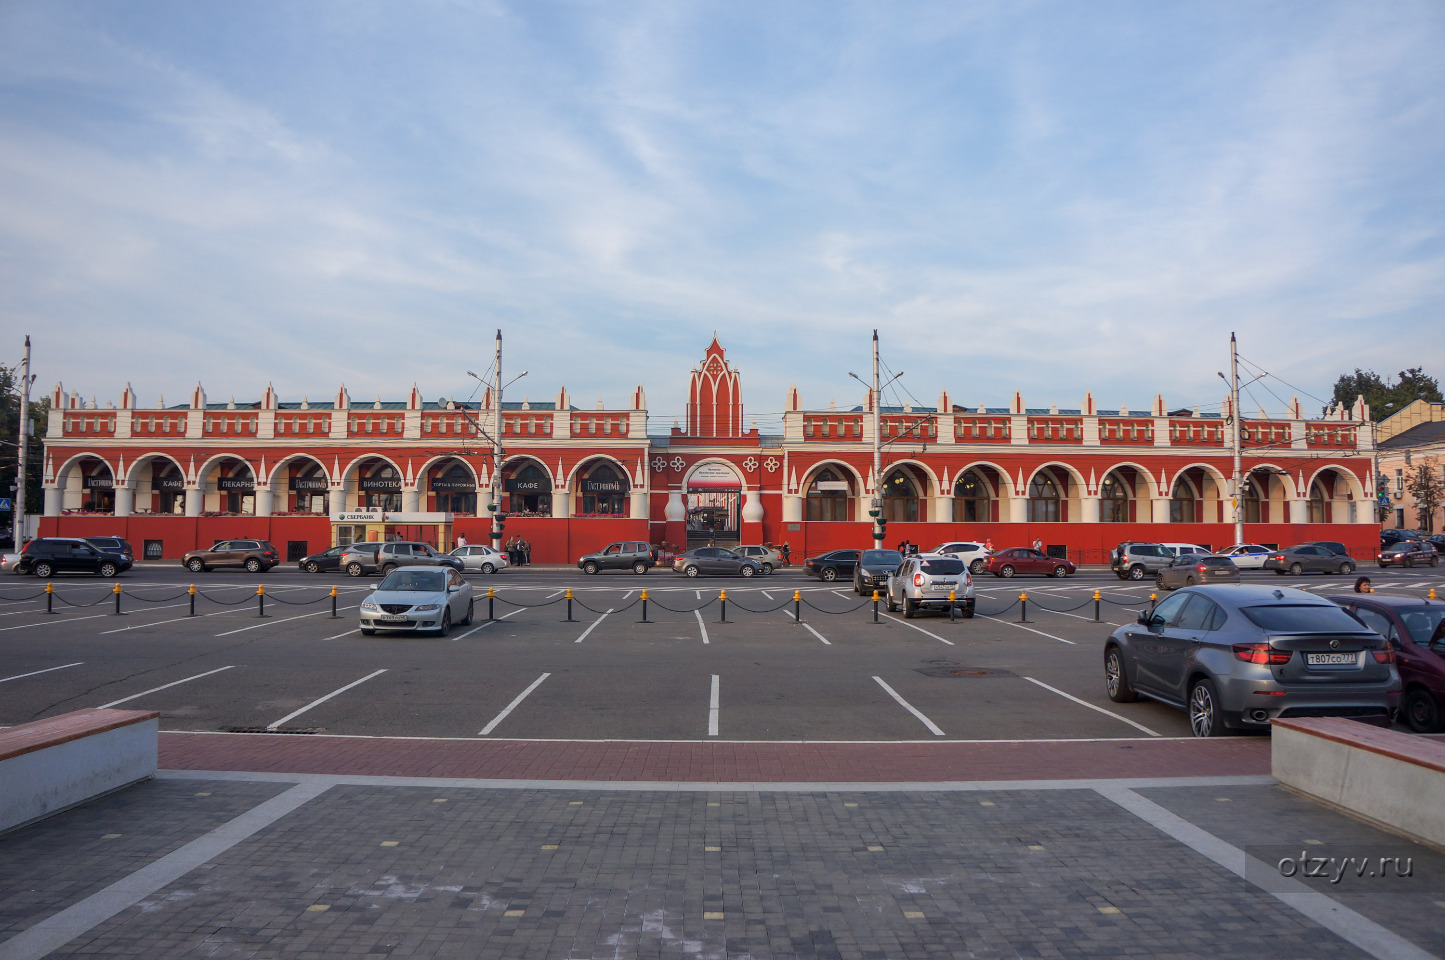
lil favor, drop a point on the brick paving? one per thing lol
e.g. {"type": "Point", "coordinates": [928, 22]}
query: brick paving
{"type": "Point", "coordinates": [691, 761]}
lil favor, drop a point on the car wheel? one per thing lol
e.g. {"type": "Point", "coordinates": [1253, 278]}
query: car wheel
{"type": "Point", "coordinates": [1296, 569]}
{"type": "Point", "coordinates": [313, 567]}
{"type": "Point", "coordinates": [1434, 561]}
{"type": "Point", "coordinates": [1421, 712]}
{"type": "Point", "coordinates": [471, 609]}
{"type": "Point", "coordinates": [1347, 568]}
{"type": "Point", "coordinates": [107, 570]}
{"type": "Point", "coordinates": [387, 569]}
{"type": "Point", "coordinates": [446, 626]}
{"type": "Point", "coordinates": [746, 570]}
{"type": "Point", "coordinates": [691, 571]}
{"type": "Point", "coordinates": [253, 565]}
{"type": "Point", "coordinates": [892, 607]}
{"type": "Point", "coordinates": [43, 570]}
{"type": "Point", "coordinates": [767, 569]}
{"type": "Point", "coordinates": [1136, 572]}
{"type": "Point", "coordinates": [909, 608]}
{"type": "Point", "coordinates": [976, 567]}
{"type": "Point", "coordinates": [1189, 581]}
{"type": "Point", "coordinates": [828, 574]}
{"type": "Point", "coordinates": [1006, 571]}
{"type": "Point", "coordinates": [195, 565]}
{"type": "Point", "coordinates": [488, 568]}
{"type": "Point", "coordinates": [1115, 679]}
{"type": "Point", "coordinates": [1205, 717]}
{"type": "Point", "coordinates": [968, 611]}
{"type": "Point", "coordinates": [639, 568]}
{"type": "Point", "coordinates": [354, 569]}
{"type": "Point", "coordinates": [368, 632]}
{"type": "Point", "coordinates": [1159, 581]}
{"type": "Point", "coordinates": [1060, 572]}
{"type": "Point", "coordinates": [589, 568]}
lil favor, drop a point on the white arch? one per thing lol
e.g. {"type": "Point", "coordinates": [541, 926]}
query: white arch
{"type": "Point", "coordinates": [811, 472]}
{"type": "Point", "coordinates": [518, 457]}
{"type": "Point", "coordinates": [576, 472]}
{"type": "Point", "coordinates": [132, 475]}
{"type": "Point", "coordinates": [1002, 491]}
{"type": "Point", "coordinates": [931, 481]}
{"type": "Point", "coordinates": [212, 462]}
{"type": "Point", "coordinates": [742, 479]}
{"type": "Point", "coordinates": [1072, 471]}
{"type": "Point", "coordinates": [66, 467]}
{"type": "Point", "coordinates": [349, 473]}
{"type": "Point", "coordinates": [1214, 472]}
{"type": "Point", "coordinates": [1356, 486]}
{"type": "Point", "coordinates": [274, 476]}
{"type": "Point", "coordinates": [426, 467]}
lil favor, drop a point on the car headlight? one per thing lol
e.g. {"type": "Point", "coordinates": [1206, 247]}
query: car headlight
{"type": "Point", "coordinates": [428, 606]}
{"type": "Point", "coordinates": [368, 605]}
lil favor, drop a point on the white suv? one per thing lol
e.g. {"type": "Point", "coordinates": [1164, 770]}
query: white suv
{"type": "Point", "coordinates": [974, 554]}
{"type": "Point", "coordinates": [925, 580]}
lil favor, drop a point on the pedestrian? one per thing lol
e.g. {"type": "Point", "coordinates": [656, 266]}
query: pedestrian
{"type": "Point", "coordinates": [512, 550]}
{"type": "Point", "coordinates": [988, 547]}
{"type": "Point", "coordinates": [1038, 545]}
{"type": "Point", "coordinates": [526, 547]}
{"type": "Point", "coordinates": [787, 553]}
{"type": "Point", "coordinates": [461, 540]}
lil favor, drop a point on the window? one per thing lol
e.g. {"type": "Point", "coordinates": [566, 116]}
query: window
{"type": "Point", "coordinates": [1379, 623]}
{"type": "Point", "coordinates": [827, 497]}
{"type": "Point", "coordinates": [1168, 609]}
{"type": "Point", "coordinates": [901, 497]}
{"type": "Point", "coordinates": [152, 549]}
{"type": "Point", "coordinates": [1183, 505]}
{"type": "Point", "coordinates": [1198, 615]}
{"type": "Point", "coordinates": [1043, 499]}
{"type": "Point", "coordinates": [1113, 501]}
{"type": "Point", "coordinates": [971, 500]}
{"type": "Point", "coordinates": [295, 550]}
{"type": "Point", "coordinates": [604, 491]}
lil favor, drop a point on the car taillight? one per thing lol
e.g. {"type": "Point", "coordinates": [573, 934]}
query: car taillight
{"type": "Point", "coordinates": [918, 579]}
{"type": "Point", "coordinates": [1261, 653]}
{"type": "Point", "coordinates": [1280, 558]}
{"type": "Point", "coordinates": [1201, 568]}
{"type": "Point", "coordinates": [1386, 655]}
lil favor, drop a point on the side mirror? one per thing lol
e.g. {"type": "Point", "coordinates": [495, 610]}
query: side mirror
{"type": "Point", "coordinates": [1143, 617]}
{"type": "Point", "coordinates": [373, 586]}
{"type": "Point", "coordinates": [454, 588]}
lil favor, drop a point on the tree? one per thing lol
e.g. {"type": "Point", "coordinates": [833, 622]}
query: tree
{"type": "Point", "coordinates": [10, 391]}
{"type": "Point", "coordinates": [1428, 490]}
{"type": "Point", "coordinates": [1384, 397]}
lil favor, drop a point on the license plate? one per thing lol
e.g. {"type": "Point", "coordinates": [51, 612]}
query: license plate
{"type": "Point", "coordinates": [942, 587]}
{"type": "Point", "coordinates": [1331, 659]}
{"type": "Point", "coordinates": [391, 617]}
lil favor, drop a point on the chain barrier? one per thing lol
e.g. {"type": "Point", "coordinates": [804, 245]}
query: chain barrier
{"type": "Point", "coordinates": [780, 606]}
{"type": "Point", "coordinates": [635, 601]}
{"type": "Point", "coordinates": [136, 596]}
{"type": "Point", "coordinates": [30, 596]}
{"type": "Point", "coordinates": [653, 600]}
{"type": "Point", "coordinates": [81, 606]}
{"type": "Point", "coordinates": [808, 603]}
{"type": "Point", "coordinates": [528, 606]}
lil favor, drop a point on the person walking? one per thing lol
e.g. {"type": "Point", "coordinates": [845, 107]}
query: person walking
{"type": "Point", "coordinates": [525, 546]}
{"type": "Point", "coordinates": [512, 550]}
{"type": "Point", "coordinates": [461, 540]}
{"type": "Point", "coordinates": [1038, 545]}
{"type": "Point", "coordinates": [787, 554]}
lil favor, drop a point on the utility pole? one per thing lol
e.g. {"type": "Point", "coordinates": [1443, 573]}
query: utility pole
{"type": "Point", "coordinates": [496, 505]}
{"type": "Point", "coordinates": [879, 521]}
{"type": "Point", "coordinates": [1238, 433]}
{"type": "Point", "coordinates": [18, 505]}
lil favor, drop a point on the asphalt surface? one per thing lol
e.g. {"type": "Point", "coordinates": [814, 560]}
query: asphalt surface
{"type": "Point", "coordinates": [530, 674]}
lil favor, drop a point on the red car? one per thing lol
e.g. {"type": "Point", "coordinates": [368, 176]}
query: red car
{"type": "Point", "coordinates": [1415, 629]}
{"type": "Point", "coordinates": [1016, 560]}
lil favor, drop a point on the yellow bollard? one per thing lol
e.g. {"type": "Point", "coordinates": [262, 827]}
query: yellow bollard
{"type": "Point", "coordinates": [192, 590]}
{"type": "Point", "coordinates": [569, 594]}
{"type": "Point", "coordinates": [490, 593]}
{"type": "Point", "coordinates": [50, 587]}
{"type": "Point", "coordinates": [722, 595]}
{"type": "Point", "coordinates": [1153, 597]}
{"type": "Point", "coordinates": [260, 589]}
{"type": "Point", "coordinates": [50, 598]}
{"type": "Point", "coordinates": [644, 593]}
{"type": "Point", "coordinates": [1097, 597]}
{"type": "Point", "coordinates": [333, 589]}
{"type": "Point", "coordinates": [798, 595]}
{"type": "Point", "coordinates": [876, 598]}
{"type": "Point", "coordinates": [116, 589]}
{"type": "Point", "coordinates": [1432, 594]}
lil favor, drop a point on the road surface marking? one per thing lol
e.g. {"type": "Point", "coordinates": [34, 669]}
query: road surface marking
{"type": "Point", "coordinates": [316, 703]}
{"type": "Point", "coordinates": [485, 625]}
{"type": "Point", "coordinates": [804, 624]}
{"type": "Point", "coordinates": [712, 708]}
{"type": "Point", "coordinates": [1085, 703]}
{"type": "Point", "coordinates": [700, 625]}
{"type": "Point", "coordinates": [346, 634]}
{"type": "Point", "coordinates": [919, 629]}
{"type": "Point", "coordinates": [257, 626]}
{"type": "Point", "coordinates": [137, 696]}
{"type": "Point", "coordinates": [36, 673]}
{"type": "Point", "coordinates": [592, 627]}
{"type": "Point", "coordinates": [933, 727]}
{"type": "Point", "coordinates": [1029, 629]}
{"type": "Point", "coordinates": [513, 705]}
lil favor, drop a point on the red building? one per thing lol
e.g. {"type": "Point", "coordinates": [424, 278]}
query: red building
{"type": "Point", "coordinates": [309, 475]}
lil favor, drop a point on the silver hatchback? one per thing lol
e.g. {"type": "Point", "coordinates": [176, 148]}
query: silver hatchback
{"type": "Point", "coordinates": [926, 580]}
{"type": "Point", "coordinates": [1192, 569]}
{"type": "Point", "coordinates": [1236, 657]}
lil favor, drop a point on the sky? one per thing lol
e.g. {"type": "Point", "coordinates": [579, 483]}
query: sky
{"type": "Point", "coordinates": [1049, 197]}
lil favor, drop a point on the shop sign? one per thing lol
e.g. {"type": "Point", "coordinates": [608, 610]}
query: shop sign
{"type": "Point", "coordinates": [309, 483]}
{"type": "Point", "coordinates": [98, 483]}
{"type": "Point", "coordinates": [714, 476]}
{"type": "Point", "coordinates": [453, 485]}
{"type": "Point", "coordinates": [604, 486]}
{"type": "Point", "coordinates": [168, 483]}
{"type": "Point", "coordinates": [244, 484]}
{"type": "Point", "coordinates": [381, 484]}
{"type": "Point", "coordinates": [515, 485]}
{"type": "Point", "coordinates": [359, 516]}
{"type": "Point", "coordinates": [831, 486]}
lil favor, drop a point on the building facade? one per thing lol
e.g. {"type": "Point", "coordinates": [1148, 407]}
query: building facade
{"type": "Point", "coordinates": [309, 475]}
{"type": "Point", "coordinates": [1411, 440]}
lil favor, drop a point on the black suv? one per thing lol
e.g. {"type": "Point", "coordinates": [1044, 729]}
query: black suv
{"type": "Point", "coordinates": [631, 555]}
{"type": "Point", "coordinates": [117, 545]}
{"type": "Point", "coordinates": [49, 556]}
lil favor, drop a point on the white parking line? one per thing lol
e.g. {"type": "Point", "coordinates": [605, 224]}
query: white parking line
{"type": "Point", "coordinates": [316, 703]}
{"type": "Point", "coordinates": [919, 629]}
{"type": "Point", "coordinates": [36, 673]}
{"type": "Point", "coordinates": [513, 705]}
{"type": "Point", "coordinates": [137, 696]}
{"type": "Point", "coordinates": [1029, 629]}
{"type": "Point", "coordinates": [258, 626]}
{"type": "Point", "coordinates": [592, 627]}
{"type": "Point", "coordinates": [557, 593]}
{"type": "Point", "coordinates": [765, 594]}
{"type": "Point", "coordinates": [485, 625]}
{"type": "Point", "coordinates": [1080, 617]}
{"type": "Point", "coordinates": [933, 727]}
{"type": "Point", "coordinates": [346, 634]}
{"type": "Point", "coordinates": [628, 594]}
{"type": "Point", "coordinates": [712, 708]}
{"type": "Point", "coordinates": [47, 623]}
{"type": "Point", "coordinates": [805, 625]}
{"type": "Point", "coordinates": [157, 623]}
{"type": "Point", "coordinates": [1085, 703]}
{"type": "Point", "coordinates": [700, 625]}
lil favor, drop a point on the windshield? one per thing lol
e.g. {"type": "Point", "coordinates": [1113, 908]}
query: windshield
{"type": "Point", "coordinates": [1422, 622]}
{"type": "Point", "coordinates": [944, 567]}
{"type": "Point", "coordinates": [426, 581]}
{"type": "Point", "coordinates": [1302, 618]}
{"type": "Point", "coordinates": [887, 558]}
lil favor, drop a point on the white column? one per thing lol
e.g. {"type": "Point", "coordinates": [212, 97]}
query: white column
{"type": "Point", "coordinates": [124, 501]}
{"type": "Point", "coordinates": [1160, 509]}
{"type": "Point", "coordinates": [941, 510]}
{"type": "Point", "coordinates": [752, 507]}
{"type": "Point", "coordinates": [1299, 511]}
{"type": "Point", "coordinates": [195, 499]}
{"type": "Point", "coordinates": [676, 509]}
{"type": "Point", "coordinates": [637, 507]}
{"type": "Point", "coordinates": [1018, 510]}
{"type": "Point", "coordinates": [792, 508]}
{"type": "Point", "coordinates": [54, 496]}
{"type": "Point", "coordinates": [410, 500]}
{"type": "Point", "coordinates": [1089, 509]}
{"type": "Point", "coordinates": [264, 501]}
{"type": "Point", "coordinates": [562, 503]}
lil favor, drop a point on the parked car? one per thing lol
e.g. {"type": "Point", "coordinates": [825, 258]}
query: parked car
{"type": "Point", "coordinates": [1019, 560]}
{"type": "Point", "coordinates": [359, 559]}
{"type": "Point", "coordinates": [9, 560]}
{"type": "Point", "coordinates": [1183, 549]}
{"type": "Point", "coordinates": [1189, 569]}
{"type": "Point", "coordinates": [1407, 553]}
{"type": "Point", "coordinates": [418, 598]}
{"type": "Point", "coordinates": [631, 555]}
{"type": "Point", "coordinates": [46, 557]}
{"type": "Point", "coordinates": [1236, 657]}
{"type": "Point", "coordinates": [480, 557]}
{"type": "Point", "coordinates": [970, 552]}
{"type": "Point", "coordinates": [323, 561]}
{"type": "Point", "coordinates": [1308, 558]}
{"type": "Point", "coordinates": [873, 569]}
{"type": "Point", "coordinates": [117, 545]}
{"type": "Point", "coordinates": [1415, 628]}
{"type": "Point", "coordinates": [1247, 556]}
{"type": "Point", "coordinates": [256, 556]}
{"type": "Point", "coordinates": [925, 580]}
{"type": "Point", "coordinates": [1333, 546]}
{"type": "Point", "coordinates": [832, 565]}
{"type": "Point", "coordinates": [1390, 535]}
{"type": "Point", "coordinates": [1135, 561]}
{"type": "Point", "coordinates": [715, 562]}
{"type": "Point", "coordinates": [770, 559]}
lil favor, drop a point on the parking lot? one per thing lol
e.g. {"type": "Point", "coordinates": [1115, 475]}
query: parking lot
{"type": "Point", "coordinates": [532, 675]}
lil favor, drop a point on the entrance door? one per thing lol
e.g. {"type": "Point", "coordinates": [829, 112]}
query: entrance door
{"type": "Point", "coordinates": [713, 515]}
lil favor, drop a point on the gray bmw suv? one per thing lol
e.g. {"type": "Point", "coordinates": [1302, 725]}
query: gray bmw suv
{"type": "Point", "coordinates": [1236, 657]}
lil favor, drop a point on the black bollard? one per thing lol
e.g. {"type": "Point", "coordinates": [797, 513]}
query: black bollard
{"type": "Point", "coordinates": [491, 600]}
{"type": "Point", "coordinates": [1023, 608]}
{"type": "Point", "coordinates": [722, 597]}
{"type": "Point", "coordinates": [50, 598]}
{"type": "Point", "coordinates": [117, 599]}
{"type": "Point", "coordinates": [260, 601]}
{"type": "Point", "coordinates": [1097, 598]}
{"type": "Point", "coordinates": [644, 607]}
{"type": "Point", "coordinates": [569, 606]}
{"type": "Point", "coordinates": [192, 592]}
{"type": "Point", "coordinates": [333, 603]}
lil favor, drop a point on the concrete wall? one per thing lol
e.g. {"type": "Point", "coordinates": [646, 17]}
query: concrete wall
{"type": "Point", "coordinates": [43, 782]}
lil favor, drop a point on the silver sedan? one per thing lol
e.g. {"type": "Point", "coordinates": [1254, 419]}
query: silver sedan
{"type": "Point", "coordinates": [480, 558]}
{"type": "Point", "coordinates": [418, 598]}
